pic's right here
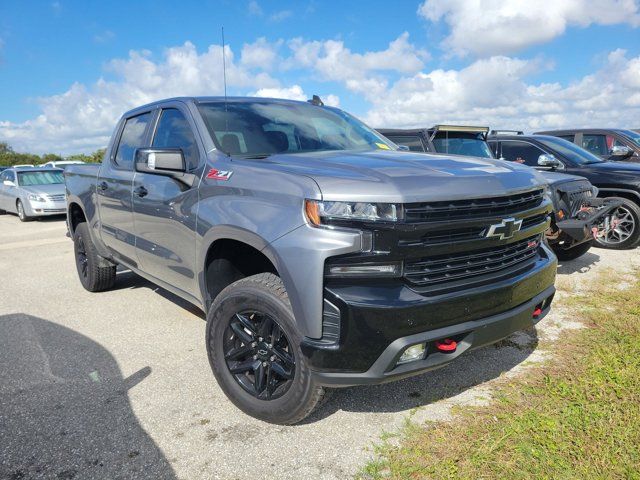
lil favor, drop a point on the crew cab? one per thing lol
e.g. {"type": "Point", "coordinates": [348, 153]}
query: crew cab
{"type": "Point", "coordinates": [615, 181]}
{"type": "Point", "coordinates": [577, 211]}
{"type": "Point", "coordinates": [322, 255]}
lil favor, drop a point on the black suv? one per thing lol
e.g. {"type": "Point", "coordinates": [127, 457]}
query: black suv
{"type": "Point", "coordinates": [607, 143]}
{"type": "Point", "coordinates": [620, 180]}
{"type": "Point", "coordinates": [449, 139]}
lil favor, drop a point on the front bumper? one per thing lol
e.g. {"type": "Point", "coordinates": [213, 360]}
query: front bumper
{"type": "Point", "coordinates": [42, 209]}
{"type": "Point", "coordinates": [378, 322]}
{"type": "Point", "coordinates": [580, 230]}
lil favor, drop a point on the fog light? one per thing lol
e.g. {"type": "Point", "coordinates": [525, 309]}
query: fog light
{"type": "Point", "coordinates": [413, 353]}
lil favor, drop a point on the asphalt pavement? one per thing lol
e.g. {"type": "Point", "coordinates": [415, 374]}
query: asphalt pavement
{"type": "Point", "coordinates": [117, 384]}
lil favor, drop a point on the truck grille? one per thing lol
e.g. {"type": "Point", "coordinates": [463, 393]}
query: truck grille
{"type": "Point", "coordinates": [56, 198]}
{"type": "Point", "coordinates": [446, 269]}
{"type": "Point", "coordinates": [578, 198]}
{"type": "Point", "coordinates": [469, 209]}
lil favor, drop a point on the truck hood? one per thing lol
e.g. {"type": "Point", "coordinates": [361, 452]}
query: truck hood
{"type": "Point", "coordinates": [404, 177]}
{"type": "Point", "coordinates": [616, 167]}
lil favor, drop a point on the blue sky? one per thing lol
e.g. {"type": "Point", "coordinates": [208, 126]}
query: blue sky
{"type": "Point", "coordinates": [69, 68]}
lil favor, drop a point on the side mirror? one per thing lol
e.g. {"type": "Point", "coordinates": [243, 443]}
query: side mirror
{"type": "Point", "coordinates": [546, 160]}
{"type": "Point", "coordinates": [621, 151]}
{"type": "Point", "coordinates": [403, 148]}
{"type": "Point", "coordinates": [9, 183]}
{"type": "Point", "coordinates": [168, 162]}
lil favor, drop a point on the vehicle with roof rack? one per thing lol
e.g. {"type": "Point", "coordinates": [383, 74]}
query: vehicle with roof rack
{"type": "Point", "coordinates": [613, 144]}
{"type": "Point", "coordinates": [322, 255]}
{"type": "Point", "coordinates": [577, 211]}
{"type": "Point", "coordinates": [617, 182]}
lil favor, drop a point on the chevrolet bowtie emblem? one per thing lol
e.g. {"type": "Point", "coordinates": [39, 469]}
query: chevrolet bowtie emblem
{"type": "Point", "coordinates": [505, 229]}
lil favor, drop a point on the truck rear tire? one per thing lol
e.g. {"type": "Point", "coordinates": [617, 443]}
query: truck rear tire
{"type": "Point", "coordinates": [567, 254]}
{"type": "Point", "coordinates": [627, 234]}
{"type": "Point", "coordinates": [254, 351]}
{"type": "Point", "coordinates": [94, 273]}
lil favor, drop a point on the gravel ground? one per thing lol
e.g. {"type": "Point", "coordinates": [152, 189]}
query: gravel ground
{"type": "Point", "coordinates": [117, 384]}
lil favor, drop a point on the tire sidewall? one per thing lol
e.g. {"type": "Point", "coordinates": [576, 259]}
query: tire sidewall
{"type": "Point", "coordinates": [81, 233]}
{"type": "Point", "coordinates": [20, 208]}
{"type": "Point", "coordinates": [243, 296]}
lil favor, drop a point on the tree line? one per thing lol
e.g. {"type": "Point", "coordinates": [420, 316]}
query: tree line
{"type": "Point", "coordinates": [8, 157]}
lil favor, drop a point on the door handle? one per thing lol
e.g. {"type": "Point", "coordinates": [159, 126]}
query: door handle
{"type": "Point", "coordinates": [140, 191]}
{"type": "Point", "coordinates": [103, 186]}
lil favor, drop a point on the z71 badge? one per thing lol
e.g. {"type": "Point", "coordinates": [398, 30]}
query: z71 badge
{"type": "Point", "coordinates": [219, 174]}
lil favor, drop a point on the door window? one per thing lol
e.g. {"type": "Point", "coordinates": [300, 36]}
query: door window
{"type": "Point", "coordinates": [412, 141]}
{"type": "Point", "coordinates": [132, 138]}
{"type": "Point", "coordinates": [521, 152]}
{"type": "Point", "coordinates": [568, 138]}
{"type": "Point", "coordinates": [595, 143]}
{"type": "Point", "coordinates": [174, 131]}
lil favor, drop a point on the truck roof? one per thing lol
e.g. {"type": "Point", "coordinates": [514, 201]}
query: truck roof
{"type": "Point", "coordinates": [207, 99]}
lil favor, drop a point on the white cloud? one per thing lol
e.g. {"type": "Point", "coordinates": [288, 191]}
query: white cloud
{"type": "Point", "coordinates": [491, 27]}
{"type": "Point", "coordinates": [280, 16]}
{"type": "Point", "coordinates": [83, 117]}
{"type": "Point", "coordinates": [260, 54]}
{"type": "Point", "coordinates": [254, 8]}
{"type": "Point", "coordinates": [104, 37]}
{"type": "Point", "coordinates": [295, 93]}
{"type": "Point", "coordinates": [495, 92]}
{"type": "Point", "coordinates": [359, 72]}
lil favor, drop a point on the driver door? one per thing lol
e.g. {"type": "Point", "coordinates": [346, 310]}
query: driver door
{"type": "Point", "coordinates": [165, 209]}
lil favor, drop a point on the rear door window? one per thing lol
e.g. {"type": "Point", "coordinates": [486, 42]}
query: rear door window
{"type": "Point", "coordinates": [174, 131]}
{"type": "Point", "coordinates": [413, 142]}
{"type": "Point", "coordinates": [521, 152]}
{"type": "Point", "coordinates": [133, 137]}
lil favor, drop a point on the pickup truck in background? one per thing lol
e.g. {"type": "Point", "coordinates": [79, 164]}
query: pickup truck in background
{"type": "Point", "coordinates": [322, 256]}
{"type": "Point", "coordinates": [577, 210]}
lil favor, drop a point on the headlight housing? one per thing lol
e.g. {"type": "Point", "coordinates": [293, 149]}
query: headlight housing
{"type": "Point", "coordinates": [36, 198]}
{"type": "Point", "coordinates": [321, 213]}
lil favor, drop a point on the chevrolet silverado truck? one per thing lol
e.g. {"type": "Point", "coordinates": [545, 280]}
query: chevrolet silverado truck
{"type": "Point", "coordinates": [322, 256]}
{"type": "Point", "coordinates": [578, 217]}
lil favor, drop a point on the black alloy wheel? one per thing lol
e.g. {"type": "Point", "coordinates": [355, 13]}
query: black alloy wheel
{"type": "Point", "coordinates": [259, 355]}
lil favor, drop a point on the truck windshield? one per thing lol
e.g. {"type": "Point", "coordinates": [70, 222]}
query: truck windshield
{"type": "Point", "coordinates": [570, 150]}
{"type": "Point", "coordinates": [472, 144]}
{"type": "Point", "coordinates": [27, 179]}
{"type": "Point", "coordinates": [260, 128]}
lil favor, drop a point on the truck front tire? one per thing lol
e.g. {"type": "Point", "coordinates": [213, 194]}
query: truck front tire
{"type": "Point", "coordinates": [254, 351]}
{"type": "Point", "coordinates": [94, 272]}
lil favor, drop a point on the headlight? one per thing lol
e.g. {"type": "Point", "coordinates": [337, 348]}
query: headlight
{"type": "Point", "coordinates": [320, 213]}
{"type": "Point", "coordinates": [36, 198]}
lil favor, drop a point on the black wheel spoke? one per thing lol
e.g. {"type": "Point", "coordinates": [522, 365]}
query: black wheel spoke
{"type": "Point", "coordinates": [242, 367]}
{"type": "Point", "coordinates": [266, 327]}
{"type": "Point", "coordinates": [276, 333]}
{"type": "Point", "coordinates": [260, 378]}
{"type": "Point", "coordinates": [238, 352]}
{"type": "Point", "coordinates": [241, 333]}
{"type": "Point", "coordinates": [283, 356]}
{"type": "Point", "coordinates": [281, 371]}
{"type": "Point", "coordinates": [246, 323]}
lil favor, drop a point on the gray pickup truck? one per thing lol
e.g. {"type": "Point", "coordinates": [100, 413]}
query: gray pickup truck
{"type": "Point", "coordinates": [322, 256]}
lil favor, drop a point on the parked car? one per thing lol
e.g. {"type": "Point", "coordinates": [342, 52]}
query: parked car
{"type": "Point", "coordinates": [24, 165]}
{"type": "Point", "coordinates": [3, 169]}
{"type": "Point", "coordinates": [609, 144]}
{"type": "Point", "coordinates": [577, 211]}
{"type": "Point", "coordinates": [32, 192]}
{"type": "Point", "coordinates": [616, 180]}
{"type": "Point", "coordinates": [322, 256]}
{"type": "Point", "coordinates": [62, 163]}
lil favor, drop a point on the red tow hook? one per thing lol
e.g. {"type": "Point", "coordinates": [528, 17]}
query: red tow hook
{"type": "Point", "coordinates": [537, 312]}
{"type": "Point", "coordinates": [447, 345]}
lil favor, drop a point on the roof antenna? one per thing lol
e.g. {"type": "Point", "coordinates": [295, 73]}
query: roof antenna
{"type": "Point", "coordinates": [224, 77]}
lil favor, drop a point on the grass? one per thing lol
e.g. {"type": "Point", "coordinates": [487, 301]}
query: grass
{"type": "Point", "coordinates": [577, 416]}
